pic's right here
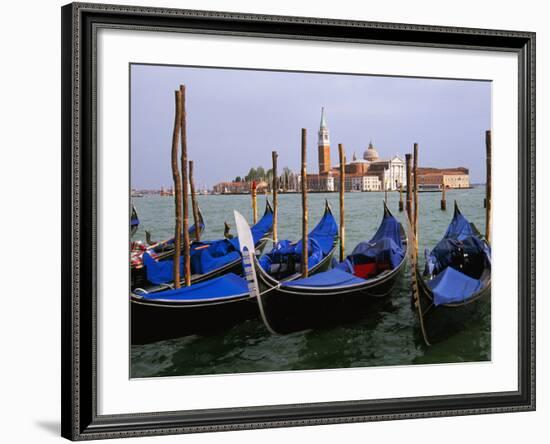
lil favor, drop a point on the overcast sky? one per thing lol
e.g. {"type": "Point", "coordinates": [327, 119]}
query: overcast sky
{"type": "Point", "coordinates": [235, 118]}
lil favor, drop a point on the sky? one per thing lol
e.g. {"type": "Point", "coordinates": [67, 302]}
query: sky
{"type": "Point", "coordinates": [236, 118]}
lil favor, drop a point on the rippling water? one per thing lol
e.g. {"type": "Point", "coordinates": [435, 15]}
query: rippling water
{"type": "Point", "coordinates": [388, 337]}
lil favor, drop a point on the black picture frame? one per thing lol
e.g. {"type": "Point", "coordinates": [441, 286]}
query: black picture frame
{"type": "Point", "coordinates": [79, 208]}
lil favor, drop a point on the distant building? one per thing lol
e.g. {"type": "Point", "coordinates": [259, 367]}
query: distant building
{"type": "Point", "coordinates": [320, 182]}
{"type": "Point", "coordinates": [363, 183]}
{"type": "Point", "coordinates": [231, 187]}
{"type": "Point", "coordinates": [169, 192]}
{"type": "Point", "coordinates": [238, 187]}
{"type": "Point", "coordinates": [390, 172]}
{"type": "Point", "coordinates": [323, 145]}
{"type": "Point", "coordinates": [438, 177]}
{"type": "Point", "coordinates": [367, 174]}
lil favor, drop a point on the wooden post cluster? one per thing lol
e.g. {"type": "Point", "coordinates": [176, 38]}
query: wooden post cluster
{"type": "Point", "coordinates": [342, 158]}
{"type": "Point", "coordinates": [408, 205]}
{"type": "Point", "coordinates": [304, 204]}
{"type": "Point", "coordinates": [415, 188]}
{"type": "Point", "coordinates": [177, 187]}
{"type": "Point", "coordinates": [275, 193]}
{"type": "Point", "coordinates": [184, 191]}
{"type": "Point", "coordinates": [254, 202]}
{"type": "Point", "coordinates": [194, 203]}
{"type": "Point", "coordinates": [488, 188]}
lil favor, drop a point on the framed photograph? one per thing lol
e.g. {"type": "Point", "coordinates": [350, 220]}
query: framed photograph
{"type": "Point", "coordinates": [275, 221]}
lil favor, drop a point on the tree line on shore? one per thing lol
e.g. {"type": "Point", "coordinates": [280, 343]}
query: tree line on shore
{"type": "Point", "coordinates": [287, 180]}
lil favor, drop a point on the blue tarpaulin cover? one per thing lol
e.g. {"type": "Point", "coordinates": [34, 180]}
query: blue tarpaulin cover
{"type": "Point", "coordinates": [451, 286]}
{"type": "Point", "coordinates": [331, 278]}
{"type": "Point", "coordinates": [325, 232]}
{"type": "Point", "coordinates": [385, 245]}
{"type": "Point", "coordinates": [320, 243]}
{"type": "Point", "coordinates": [285, 251]}
{"type": "Point", "coordinates": [459, 241]}
{"type": "Point", "coordinates": [204, 260]}
{"type": "Point", "coordinates": [223, 287]}
{"type": "Point", "coordinates": [456, 261]}
{"type": "Point", "coordinates": [443, 253]}
{"type": "Point", "coordinates": [459, 228]}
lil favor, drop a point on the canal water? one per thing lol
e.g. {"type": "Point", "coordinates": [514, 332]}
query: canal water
{"type": "Point", "coordinates": [389, 336]}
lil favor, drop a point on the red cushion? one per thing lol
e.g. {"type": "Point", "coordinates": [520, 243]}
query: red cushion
{"type": "Point", "coordinates": [364, 270]}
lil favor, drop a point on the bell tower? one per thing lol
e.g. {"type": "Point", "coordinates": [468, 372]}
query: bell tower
{"type": "Point", "coordinates": [324, 145]}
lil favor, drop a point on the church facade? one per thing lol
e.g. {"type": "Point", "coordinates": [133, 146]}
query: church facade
{"type": "Point", "coordinates": [367, 174]}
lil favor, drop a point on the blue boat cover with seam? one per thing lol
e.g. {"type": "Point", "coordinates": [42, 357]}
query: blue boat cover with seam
{"type": "Point", "coordinates": [330, 278]}
{"type": "Point", "coordinates": [223, 287]}
{"type": "Point", "coordinates": [452, 286]}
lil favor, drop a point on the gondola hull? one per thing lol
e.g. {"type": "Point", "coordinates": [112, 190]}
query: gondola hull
{"type": "Point", "coordinates": [443, 321]}
{"type": "Point", "coordinates": [295, 309]}
{"type": "Point", "coordinates": [152, 322]}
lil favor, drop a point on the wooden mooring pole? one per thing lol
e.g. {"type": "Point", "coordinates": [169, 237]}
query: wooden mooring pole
{"type": "Point", "coordinates": [488, 187]}
{"type": "Point", "coordinates": [401, 197]}
{"type": "Point", "coordinates": [443, 199]}
{"type": "Point", "coordinates": [304, 204]}
{"type": "Point", "coordinates": [415, 187]}
{"type": "Point", "coordinates": [408, 205]}
{"type": "Point", "coordinates": [177, 187]}
{"type": "Point", "coordinates": [254, 201]}
{"type": "Point", "coordinates": [342, 158]}
{"type": "Point", "coordinates": [184, 191]}
{"type": "Point", "coordinates": [275, 193]}
{"type": "Point", "coordinates": [194, 203]}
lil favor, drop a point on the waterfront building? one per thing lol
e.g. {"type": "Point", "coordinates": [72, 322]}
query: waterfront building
{"type": "Point", "coordinates": [391, 172]}
{"type": "Point", "coordinates": [320, 182]}
{"type": "Point", "coordinates": [430, 178]}
{"type": "Point", "coordinates": [371, 173]}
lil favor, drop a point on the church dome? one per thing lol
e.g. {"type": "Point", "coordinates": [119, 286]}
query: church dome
{"type": "Point", "coordinates": [371, 154]}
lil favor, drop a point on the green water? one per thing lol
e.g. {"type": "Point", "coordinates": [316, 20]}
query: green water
{"type": "Point", "coordinates": [387, 337]}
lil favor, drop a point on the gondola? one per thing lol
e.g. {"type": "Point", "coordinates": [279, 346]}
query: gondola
{"type": "Point", "coordinates": [159, 250]}
{"type": "Point", "coordinates": [345, 293]}
{"type": "Point", "coordinates": [223, 301]}
{"type": "Point", "coordinates": [456, 283]}
{"type": "Point", "coordinates": [134, 221]}
{"type": "Point", "coordinates": [209, 259]}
